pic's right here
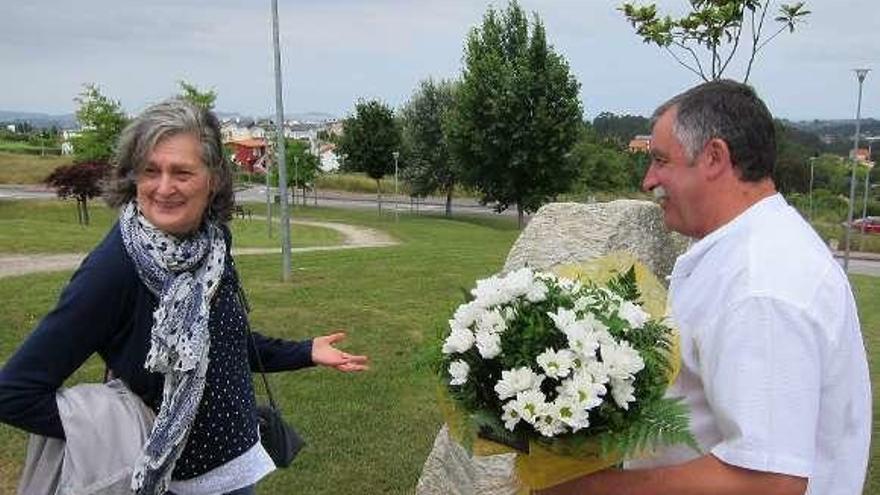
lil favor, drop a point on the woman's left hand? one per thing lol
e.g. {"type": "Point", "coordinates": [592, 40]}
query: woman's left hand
{"type": "Point", "coordinates": [324, 354]}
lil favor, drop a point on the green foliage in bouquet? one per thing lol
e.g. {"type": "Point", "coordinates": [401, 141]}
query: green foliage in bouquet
{"type": "Point", "coordinates": [536, 357]}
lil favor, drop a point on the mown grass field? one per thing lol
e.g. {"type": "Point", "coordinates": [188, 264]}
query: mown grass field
{"type": "Point", "coordinates": [369, 433]}
{"type": "Point", "coordinates": [51, 227]}
{"type": "Point", "coordinates": [18, 168]}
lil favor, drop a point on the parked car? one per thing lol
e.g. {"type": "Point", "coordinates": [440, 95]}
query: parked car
{"type": "Point", "coordinates": [870, 224]}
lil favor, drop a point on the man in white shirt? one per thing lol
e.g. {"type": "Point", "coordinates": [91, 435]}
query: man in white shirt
{"type": "Point", "coordinates": [773, 364]}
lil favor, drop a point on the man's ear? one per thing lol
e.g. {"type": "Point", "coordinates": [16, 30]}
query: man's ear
{"type": "Point", "coordinates": [717, 159]}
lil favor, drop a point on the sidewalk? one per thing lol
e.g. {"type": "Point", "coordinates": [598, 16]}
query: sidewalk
{"type": "Point", "coordinates": [856, 255]}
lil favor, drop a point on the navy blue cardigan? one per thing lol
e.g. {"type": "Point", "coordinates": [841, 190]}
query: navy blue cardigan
{"type": "Point", "coordinates": [105, 308]}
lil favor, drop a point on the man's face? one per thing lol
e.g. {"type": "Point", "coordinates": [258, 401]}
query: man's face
{"type": "Point", "coordinates": [671, 171]}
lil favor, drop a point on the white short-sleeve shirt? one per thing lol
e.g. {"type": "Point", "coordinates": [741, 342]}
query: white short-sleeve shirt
{"type": "Point", "coordinates": [774, 369]}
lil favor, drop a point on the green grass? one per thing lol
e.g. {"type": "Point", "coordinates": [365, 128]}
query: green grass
{"type": "Point", "coordinates": [51, 227]}
{"type": "Point", "coordinates": [367, 433]}
{"type": "Point", "coordinates": [18, 168]}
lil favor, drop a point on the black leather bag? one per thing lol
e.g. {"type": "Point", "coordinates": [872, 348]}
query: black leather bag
{"type": "Point", "coordinates": [280, 440]}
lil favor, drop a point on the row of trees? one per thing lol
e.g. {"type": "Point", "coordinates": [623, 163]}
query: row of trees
{"type": "Point", "coordinates": [505, 129]}
{"type": "Point", "coordinates": [511, 127]}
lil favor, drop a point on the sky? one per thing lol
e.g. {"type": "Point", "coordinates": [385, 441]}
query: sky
{"type": "Point", "coordinates": [335, 52]}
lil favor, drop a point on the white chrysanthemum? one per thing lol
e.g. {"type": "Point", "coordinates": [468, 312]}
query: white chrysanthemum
{"type": "Point", "coordinates": [458, 370]}
{"type": "Point", "coordinates": [491, 321]}
{"type": "Point", "coordinates": [621, 360]}
{"type": "Point", "coordinates": [623, 392]}
{"type": "Point", "coordinates": [460, 340]}
{"type": "Point", "coordinates": [597, 371]}
{"type": "Point", "coordinates": [584, 389]}
{"type": "Point", "coordinates": [510, 414]}
{"type": "Point", "coordinates": [518, 282]}
{"type": "Point", "coordinates": [571, 412]}
{"type": "Point", "coordinates": [488, 344]}
{"type": "Point", "coordinates": [593, 324]}
{"type": "Point", "coordinates": [633, 314]}
{"type": "Point", "coordinates": [537, 292]}
{"type": "Point", "coordinates": [556, 364]}
{"type": "Point", "coordinates": [515, 381]}
{"type": "Point", "coordinates": [549, 425]}
{"type": "Point", "coordinates": [531, 404]}
{"type": "Point", "coordinates": [466, 314]}
{"type": "Point", "coordinates": [563, 319]}
{"type": "Point", "coordinates": [489, 292]}
{"type": "Point", "coordinates": [582, 341]}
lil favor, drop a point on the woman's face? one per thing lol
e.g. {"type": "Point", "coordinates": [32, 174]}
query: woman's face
{"type": "Point", "coordinates": [174, 186]}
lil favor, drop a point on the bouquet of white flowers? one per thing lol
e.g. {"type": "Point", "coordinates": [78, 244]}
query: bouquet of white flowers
{"type": "Point", "coordinates": [536, 358]}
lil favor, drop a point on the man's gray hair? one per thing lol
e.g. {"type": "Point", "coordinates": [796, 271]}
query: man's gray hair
{"type": "Point", "coordinates": [161, 121]}
{"type": "Point", "coordinates": [729, 111]}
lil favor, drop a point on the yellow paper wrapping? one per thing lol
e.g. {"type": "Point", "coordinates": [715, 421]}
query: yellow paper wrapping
{"type": "Point", "coordinates": [543, 466]}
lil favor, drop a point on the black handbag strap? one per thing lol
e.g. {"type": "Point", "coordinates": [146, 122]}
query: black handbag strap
{"type": "Point", "coordinates": [253, 343]}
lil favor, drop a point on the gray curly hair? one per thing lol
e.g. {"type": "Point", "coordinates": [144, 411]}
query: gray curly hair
{"type": "Point", "coordinates": [161, 121]}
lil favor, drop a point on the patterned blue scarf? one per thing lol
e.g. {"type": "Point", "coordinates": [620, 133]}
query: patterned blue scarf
{"type": "Point", "coordinates": [184, 274]}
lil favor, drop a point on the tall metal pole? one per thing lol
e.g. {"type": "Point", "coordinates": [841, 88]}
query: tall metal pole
{"type": "Point", "coordinates": [282, 164]}
{"type": "Point", "coordinates": [268, 194]}
{"type": "Point", "coordinates": [860, 74]}
{"type": "Point", "coordinates": [396, 154]}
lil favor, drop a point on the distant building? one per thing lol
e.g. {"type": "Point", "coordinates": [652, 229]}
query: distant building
{"type": "Point", "coordinates": [640, 144]}
{"type": "Point", "coordinates": [329, 158]}
{"type": "Point", "coordinates": [862, 155]}
{"type": "Point", "coordinates": [249, 153]}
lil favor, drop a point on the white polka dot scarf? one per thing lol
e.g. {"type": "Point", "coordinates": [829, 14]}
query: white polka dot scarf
{"type": "Point", "coordinates": [184, 274]}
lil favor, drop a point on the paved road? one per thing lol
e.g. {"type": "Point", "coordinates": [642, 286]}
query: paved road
{"type": "Point", "coordinates": [332, 199]}
{"type": "Point", "coordinates": [863, 266]}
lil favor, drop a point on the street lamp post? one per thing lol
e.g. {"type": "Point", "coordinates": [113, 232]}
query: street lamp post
{"type": "Point", "coordinates": [281, 161]}
{"type": "Point", "coordinates": [396, 155]}
{"type": "Point", "coordinates": [860, 74]}
{"type": "Point", "coordinates": [812, 160]}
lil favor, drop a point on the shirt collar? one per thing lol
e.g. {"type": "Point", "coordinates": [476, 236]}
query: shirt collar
{"type": "Point", "coordinates": [687, 262]}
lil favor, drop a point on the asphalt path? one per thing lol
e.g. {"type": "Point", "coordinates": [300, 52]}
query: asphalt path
{"type": "Point", "coordinates": [338, 199]}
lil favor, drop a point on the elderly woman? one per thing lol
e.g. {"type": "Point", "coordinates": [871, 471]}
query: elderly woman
{"type": "Point", "coordinates": [158, 300]}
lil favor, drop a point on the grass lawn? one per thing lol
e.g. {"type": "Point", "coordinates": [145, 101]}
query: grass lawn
{"type": "Point", "coordinates": [51, 227]}
{"type": "Point", "coordinates": [18, 168]}
{"type": "Point", "coordinates": [367, 433]}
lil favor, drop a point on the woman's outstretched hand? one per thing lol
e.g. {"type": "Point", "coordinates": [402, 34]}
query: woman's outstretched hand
{"type": "Point", "coordinates": [324, 354]}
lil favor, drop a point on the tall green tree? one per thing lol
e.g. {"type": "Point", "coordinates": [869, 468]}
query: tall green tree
{"type": "Point", "coordinates": [369, 139]}
{"type": "Point", "coordinates": [302, 166]}
{"type": "Point", "coordinates": [101, 120]}
{"type": "Point", "coordinates": [192, 94]}
{"type": "Point", "coordinates": [707, 38]}
{"type": "Point", "coordinates": [517, 113]}
{"type": "Point", "coordinates": [430, 166]}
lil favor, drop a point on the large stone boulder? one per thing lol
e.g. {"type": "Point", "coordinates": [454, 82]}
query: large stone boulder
{"type": "Point", "coordinates": [562, 233]}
